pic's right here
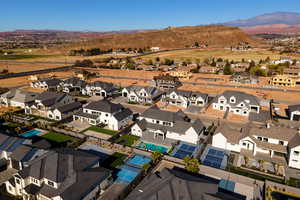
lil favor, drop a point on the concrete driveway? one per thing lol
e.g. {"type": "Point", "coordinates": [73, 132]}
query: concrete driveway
{"type": "Point", "coordinates": [78, 126]}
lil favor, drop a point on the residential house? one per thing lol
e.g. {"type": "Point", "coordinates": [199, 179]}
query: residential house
{"type": "Point", "coordinates": [48, 101]}
{"type": "Point", "coordinates": [185, 75]}
{"type": "Point", "coordinates": [64, 111]}
{"type": "Point", "coordinates": [184, 98]}
{"type": "Point", "coordinates": [166, 81]}
{"type": "Point", "coordinates": [72, 85]}
{"type": "Point", "coordinates": [276, 144]}
{"type": "Point", "coordinates": [176, 184]}
{"type": "Point", "coordinates": [17, 98]}
{"type": "Point", "coordinates": [98, 88]}
{"type": "Point", "coordinates": [142, 94]}
{"type": "Point", "coordinates": [294, 112]}
{"type": "Point", "coordinates": [292, 71]}
{"type": "Point", "coordinates": [15, 152]}
{"type": "Point", "coordinates": [154, 49]}
{"type": "Point", "coordinates": [46, 83]}
{"type": "Point", "coordinates": [240, 67]}
{"type": "Point", "coordinates": [284, 80]}
{"type": "Point", "coordinates": [237, 102]}
{"type": "Point", "coordinates": [208, 69]}
{"type": "Point", "coordinates": [114, 116]}
{"type": "Point", "coordinates": [244, 78]}
{"type": "Point", "coordinates": [283, 60]}
{"type": "Point", "coordinates": [64, 174]}
{"type": "Point", "coordinates": [167, 128]}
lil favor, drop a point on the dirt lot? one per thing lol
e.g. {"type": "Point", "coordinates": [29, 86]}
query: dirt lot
{"type": "Point", "coordinates": [202, 54]}
{"type": "Point", "coordinates": [26, 67]}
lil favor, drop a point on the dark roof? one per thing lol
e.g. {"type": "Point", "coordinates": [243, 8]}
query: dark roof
{"type": "Point", "coordinates": [20, 152]}
{"type": "Point", "coordinates": [178, 185]}
{"type": "Point", "coordinates": [263, 116]}
{"type": "Point", "coordinates": [20, 95]}
{"type": "Point", "coordinates": [104, 85]}
{"type": "Point", "coordinates": [166, 77]}
{"type": "Point", "coordinates": [295, 141]}
{"type": "Point", "coordinates": [51, 81]}
{"type": "Point", "coordinates": [294, 108]}
{"type": "Point", "coordinates": [188, 94]}
{"type": "Point", "coordinates": [42, 144]}
{"type": "Point", "coordinates": [10, 144]}
{"type": "Point", "coordinates": [75, 82]}
{"type": "Point", "coordinates": [86, 115]}
{"type": "Point", "coordinates": [155, 113]}
{"type": "Point", "coordinates": [59, 164]}
{"type": "Point", "coordinates": [123, 114]}
{"type": "Point", "coordinates": [69, 107]}
{"type": "Point", "coordinates": [240, 97]}
{"type": "Point", "coordinates": [104, 106]}
{"type": "Point", "coordinates": [50, 98]}
{"type": "Point", "coordinates": [32, 189]}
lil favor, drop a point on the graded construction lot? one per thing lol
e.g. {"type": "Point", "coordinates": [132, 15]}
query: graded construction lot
{"type": "Point", "coordinates": [193, 54]}
{"type": "Point", "coordinates": [15, 67]}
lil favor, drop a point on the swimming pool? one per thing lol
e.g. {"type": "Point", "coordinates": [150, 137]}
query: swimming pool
{"type": "Point", "coordinates": [138, 160]}
{"type": "Point", "coordinates": [127, 174]}
{"type": "Point", "coordinates": [152, 147]}
{"type": "Point", "coordinates": [31, 133]}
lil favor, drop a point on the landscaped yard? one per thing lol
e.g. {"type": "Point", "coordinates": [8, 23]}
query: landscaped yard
{"type": "Point", "coordinates": [19, 57]}
{"type": "Point", "coordinates": [127, 140]}
{"type": "Point", "coordinates": [57, 137]}
{"type": "Point", "coordinates": [114, 160]}
{"type": "Point", "coordinates": [294, 182]}
{"type": "Point", "coordinates": [101, 130]}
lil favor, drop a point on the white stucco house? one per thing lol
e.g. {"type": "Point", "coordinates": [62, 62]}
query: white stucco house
{"type": "Point", "coordinates": [63, 174]}
{"type": "Point", "coordinates": [184, 98]}
{"type": "Point", "coordinates": [237, 102]}
{"type": "Point", "coordinates": [114, 116]}
{"type": "Point", "coordinates": [142, 94]}
{"type": "Point", "coordinates": [166, 128]}
{"type": "Point", "coordinates": [98, 88]}
{"type": "Point", "coordinates": [275, 143]}
{"type": "Point", "coordinates": [46, 83]}
{"type": "Point", "coordinates": [64, 111]}
{"type": "Point", "coordinates": [17, 98]}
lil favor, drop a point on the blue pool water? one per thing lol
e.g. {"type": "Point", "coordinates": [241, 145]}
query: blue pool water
{"type": "Point", "coordinates": [127, 174]}
{"type": "Point", "coordinates": [31, 133]}
{"type": "Point", "coordinates": [138, 160]}
{"type": "Point", "coordinates": [153, 147]}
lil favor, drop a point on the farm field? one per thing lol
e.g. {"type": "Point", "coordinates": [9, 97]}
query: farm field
{"type": "Point", "coordinates": [202, 54]}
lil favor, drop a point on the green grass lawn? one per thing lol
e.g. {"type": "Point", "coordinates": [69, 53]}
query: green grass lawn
{"type": "Point", "coordinates": [101, 130]}
{"type": "Point", "coordinates": [127, 139]}
{"type": "Point", "coordinates": [293, 182]}
{"type": "Point", "coordinates": [114, 160]}
{"type": "Point", "coordinates": [57, 137]}
{"type": "Point", "coordinates": [20, 57]}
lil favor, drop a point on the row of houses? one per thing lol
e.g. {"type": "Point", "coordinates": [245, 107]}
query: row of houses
{"type": "Point", "coordinates": [75, 85]}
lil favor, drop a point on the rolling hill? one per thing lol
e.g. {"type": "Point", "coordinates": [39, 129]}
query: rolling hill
{"type": "Point", "coordinates": [277, 22]}
{"type": "Point", "coordinates": [179, 37]}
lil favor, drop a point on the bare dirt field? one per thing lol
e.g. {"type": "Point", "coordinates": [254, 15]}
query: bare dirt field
{"type": "Point", "coordinates": [255, 54]}
{"type": "Point", "coordinates": [14, 68]}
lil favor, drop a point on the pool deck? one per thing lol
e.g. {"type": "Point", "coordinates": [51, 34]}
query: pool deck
{"type": "Point", "coordinates": [148, 137]}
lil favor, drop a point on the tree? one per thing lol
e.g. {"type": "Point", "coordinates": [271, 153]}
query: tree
{"type": "Point", "coordinates": [156, 156]}
{"type": "Point", "coordinates": [191, 164]}
{"type": "Point", "coordinates": [227, 69]}
{"type": "Point", "coordinates": [146, 167]}
{"type": "Point", "coordinates": [169, 62]}
{"type": "Point", "coordinates": [157, 59]}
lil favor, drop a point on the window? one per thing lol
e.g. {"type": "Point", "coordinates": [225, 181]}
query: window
{"type": "Point", "coordinates": [106, 115]}
{"type": "Point", "coordinates": [50, 183]}
{"type": "Point", "coordinates": [259, 138]}
{"type": "Point", "coordinates": [221, 101]}
{"type": "Point", "coordinates": [157, 121]}
{"type": "Point", "coordinates": [295, 160]}
{"type": "Point", "coordinates": [244, 144]}
{"type": "Point", "coordinates": [266, 140]}
{"type": "Point", "coordinates": [17, 181]}
{"type": "Point", "coordinates": [296, 153]}
{"type": "Point", "coordinates": [232, 100]}
{"type": "Point", "coordinates": [281, 142]}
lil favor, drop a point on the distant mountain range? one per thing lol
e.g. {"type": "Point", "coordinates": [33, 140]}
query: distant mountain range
{"type": "Point", "coordinates": [277, 22]}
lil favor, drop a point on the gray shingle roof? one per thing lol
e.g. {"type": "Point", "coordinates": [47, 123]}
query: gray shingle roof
{"type": "Point", "coordinates": [240, 97]}
{"type": "Point", "coordinates": [70, 107]}
{"type": "Point", "coordinates": [49, 99]}
{"type": "Point", "coordinates": [178, 185]}
{"type": "Point", "coordinates": [21, 96]}
{"type": "Point", "coordinates": [123, 114]}
{"type": "Point", "coordinates": [152, 91]}
{"type": "Point", "coordinates": [75, 82]}
{"type": "Point", "coordinates": [104, 106]}
{"type": "Point", "coordinates": [155, 113]}
{"type": "Point", "coordinates": [294, 108]}
{"type": "Point", "coordinates": [51, 81]}
{"type": "Point", "coordinates": [104, 85]}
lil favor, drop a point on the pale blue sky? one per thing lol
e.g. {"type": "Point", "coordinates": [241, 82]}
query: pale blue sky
{"type": "Point", "coordinates": [104, 15]}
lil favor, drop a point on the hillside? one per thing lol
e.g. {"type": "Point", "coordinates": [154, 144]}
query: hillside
{"type": "Point", "coordinates": [216, 36]}
{"type": "Point", "coordinates": [277, 22]}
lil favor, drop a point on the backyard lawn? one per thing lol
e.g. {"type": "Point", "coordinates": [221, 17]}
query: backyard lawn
{"type": "Point", "coordinates": [101, 130]}
{"type": "Point", "coordinates": [57, 137]}
{"type": "Point", "coordinates": [127, 140]}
